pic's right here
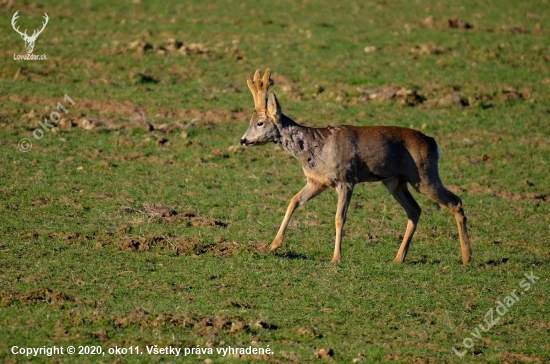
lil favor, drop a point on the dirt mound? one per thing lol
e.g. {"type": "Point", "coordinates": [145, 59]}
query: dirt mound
{"type": "Point", "coordinates": [115, 115]}
{"type": "Point", "coordinates": [169, 46]}
{"type": "Point", "coordinates": [324, 354]}
{"type": "Point", "coordinates": [130, 244]}
{"type": "Point", "coordinates": [142, 317]}
{"type": "Point", "coordinates": [402, 95]}
{"type": "Point", "coordinates": [224, 248]}
{"type": "Point", "coordinates": [454, 23]}
{"type": "Point", "coordinates": [204, 325]}
{"type": "Point", "coordinates": [433, 96]}
{"type": "Point", "coordinates": [454, 99]}
{"type": "Point", "coordinates": [306, 331]}
{"type": "Point", "coordinates": [179, 245]}
{"type": "Point", "coordinates": [37, 296]}
{"type": "Point", "coordinates": [219, 323]}
{"type": "Point", "coordinates": [168, 214]}
{"type": "Point", "coordinates": [429, 48]}
{"type": "Point", "coordinates": [201, 221]}
{"type": "Point", "coordinates": [159, 210]}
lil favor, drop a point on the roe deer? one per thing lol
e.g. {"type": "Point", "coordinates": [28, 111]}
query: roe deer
{"type": "Point", "coordinates": [342, 156]}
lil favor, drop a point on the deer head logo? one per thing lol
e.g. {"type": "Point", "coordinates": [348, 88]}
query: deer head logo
{"type": "Point", "coordinates": [29, 40]}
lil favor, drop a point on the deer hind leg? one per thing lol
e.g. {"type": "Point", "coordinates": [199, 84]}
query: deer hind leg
{"type": "Point", "coordinates": [444, 197]}
{"type": "Point", "coordinates": [311, 189]}
{"type": "Point", "coordinates": [399, 190]}
{"type": "Point", "coordinates": [344, 197]}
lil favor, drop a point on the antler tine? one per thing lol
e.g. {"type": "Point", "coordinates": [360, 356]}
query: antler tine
{"type": "Point", "coordinates": [258, 80]}
{"type": "Point", "coordinates": [267, 80]}
{"type": "Point", "coordinates": [259, 86]}
{"type": "Point", "coordinates": [252, 86]}
{"type": "Point", "coordinates": [13, 20]}
{"type": "Point", "coordinates": [14, 17]}
{"type": "Point", "coordinates": [43, 25]}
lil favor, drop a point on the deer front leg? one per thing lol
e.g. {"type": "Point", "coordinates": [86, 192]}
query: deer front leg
{"type": "Point", "coordinates": [311, 189]}
{"type": "Point", "coordinates": [344, 197]}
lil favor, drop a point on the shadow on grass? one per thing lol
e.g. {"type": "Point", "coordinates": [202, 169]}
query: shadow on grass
{"type": "Point", "coordinates": [292, 255]}
{"type": "Point", "coordinates": [494, 262]}
{"type": "Point", "coordinates": [423, 260]}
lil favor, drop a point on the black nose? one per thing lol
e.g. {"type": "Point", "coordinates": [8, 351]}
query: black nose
{"type": "Point", "coordinates": [243, 141]}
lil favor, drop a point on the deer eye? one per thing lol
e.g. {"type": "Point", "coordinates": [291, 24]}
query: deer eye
{"type": "Point", "coordinates": [260, 123]}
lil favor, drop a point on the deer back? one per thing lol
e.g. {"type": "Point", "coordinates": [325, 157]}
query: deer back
{"type": "Point", "coordinates": [361, 154]}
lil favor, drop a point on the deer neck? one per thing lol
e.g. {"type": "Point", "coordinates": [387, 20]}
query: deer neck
{"type": "Point", "coordinates": [300, 141]}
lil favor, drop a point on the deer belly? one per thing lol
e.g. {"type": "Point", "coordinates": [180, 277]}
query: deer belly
{"type": "Point", "coordinates": [324, 179]}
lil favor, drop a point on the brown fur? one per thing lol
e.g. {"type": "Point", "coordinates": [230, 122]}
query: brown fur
{"type": "Point", "coordinates": [342, 156]}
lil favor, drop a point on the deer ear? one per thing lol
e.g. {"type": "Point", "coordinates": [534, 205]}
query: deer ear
{"type": "Point", "coordinates": [273, 107]}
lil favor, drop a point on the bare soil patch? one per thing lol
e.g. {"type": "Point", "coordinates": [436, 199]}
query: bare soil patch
{"type": "Point", "coordinates": [432, 96]}
{"type": "Point", "coordinates": [169, 46]}
{"type": "Point", "coordinates": [476, 188]}
{"type": "Point", "coordinates": [116, 115]}
{"type": "Point", "coordinates": [324, 354]}
{"type": "Point", "coordinates": [166, 213]}
{"type": "Point", "coordinates": [45, 295]}
{"type": "Point", "coordinates": [213, 324]}
{"type": "Point", "coordinates": [141, 317]}
{"type": "Point", "coordinates": [179, 245]}
{"type": "Point", "coordinates": [449, 23]}
{"type": "Point", "coordinates": [401, 95]}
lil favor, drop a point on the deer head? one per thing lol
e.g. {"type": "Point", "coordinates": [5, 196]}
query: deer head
{"type": "Point", "coordinates": [263, 126]}
{"type": "Point", "coordinates": [29, 40]}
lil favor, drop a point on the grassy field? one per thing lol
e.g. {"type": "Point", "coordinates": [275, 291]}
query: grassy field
{"type": "Point", "coordinates": [138, 220]}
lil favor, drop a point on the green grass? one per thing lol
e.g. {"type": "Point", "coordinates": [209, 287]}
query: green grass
{"type": "Point", "coordinates": [83, 263]}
